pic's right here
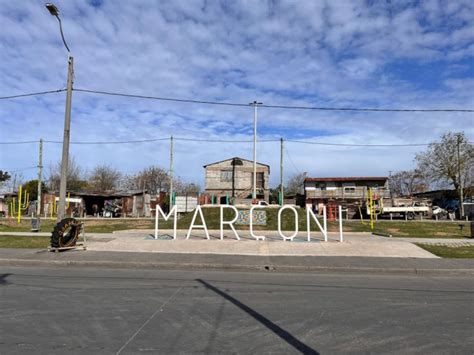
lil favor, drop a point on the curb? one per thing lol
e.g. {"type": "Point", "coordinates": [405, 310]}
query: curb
{"type": "Point", "coordinates": [231, 267]}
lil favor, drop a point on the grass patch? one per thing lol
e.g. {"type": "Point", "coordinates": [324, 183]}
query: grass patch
{"type": "Point", "coordinates": [464, 252]}
{"type": "Point", "coordinates": [13, 241]}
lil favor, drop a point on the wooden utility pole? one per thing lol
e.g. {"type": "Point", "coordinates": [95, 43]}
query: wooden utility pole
{"type": "Point", "coordinates": [461, 192]}
{"type": "Point", "coordinates": [171, 172]}
{"type": "Point", "coordinates": [282, 191]}
{"type": "Point", "coordinates": [40, 178]}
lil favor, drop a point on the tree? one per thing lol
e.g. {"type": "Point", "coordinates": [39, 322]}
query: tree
{"type": "Point", "coordinates": [187, 188]}
{"type": "Point", "coordinates": [31, 187]}
{"type": "Point", "coordinates": [296, 184]}
{"type": "Point", "coordinates": [104, 178]}
{"type": "Point", "coordinates": [153, 179]}
{"type": "Point", "coordinates": [407, 182]}
{"type": "Point", "coordinates": [448, 161]}
{"type": "Point", "coordinates": [4, 176]}
{"type": "Point", "coordinates": [75, 176]}
{"type": "Point", "coordinates": [275, 194]}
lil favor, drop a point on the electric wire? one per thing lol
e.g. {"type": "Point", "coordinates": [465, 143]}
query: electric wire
{"type": "Point", "coordinates": [291, 160]}
{"type": "Point", "coordinates": [31, 94]}
{"type": "Point", "coordinates": [317, 108]}
{"type": "Point", "coordinates": [108, 142]}
{"type": "Point", "coordinates": [20, 169]}
{"type": "Point", "coordinates": [228, 141]}
{"type": "Point", "coordinates": [361, 145]}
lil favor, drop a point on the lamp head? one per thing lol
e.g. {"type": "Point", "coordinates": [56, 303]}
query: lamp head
{"type": "Point", "coordinates": [53, 10]}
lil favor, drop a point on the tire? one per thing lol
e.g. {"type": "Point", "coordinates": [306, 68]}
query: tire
{"type": "Point", "coordinates": [411, 216]}
{"type": "Point", "coordinates": [65, 233]}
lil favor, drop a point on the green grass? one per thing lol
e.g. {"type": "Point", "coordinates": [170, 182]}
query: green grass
{"type": "Point", "coordinates": [408, 229]}
{"type": "Point", "coordinates": [10, 241]}
{"type": "Point", "coordinates": [464, 252]}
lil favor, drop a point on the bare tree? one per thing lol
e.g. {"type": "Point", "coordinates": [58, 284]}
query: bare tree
{"type": "Point", "coordinates": [75, 176]}
{"type": "Point", "coordinates": [296, 184]}
{"type": "Point", "coordinates": [153, 179]}
{"type": "Point", "coordinates": [104, 178]}
{"type": "Point", "coordinates": [186, 188]}
{"type": "Point", "coordinates": [408, 182]}
{"type": "Point", "coordinates": [448, 161]}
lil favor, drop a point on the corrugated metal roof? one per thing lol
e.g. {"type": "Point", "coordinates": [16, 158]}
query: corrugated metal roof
{"type": "Point", "coordinates": [349, 178]}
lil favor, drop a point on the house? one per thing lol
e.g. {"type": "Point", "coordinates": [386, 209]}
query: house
{"type": "Point", "coordinates": [232, 179]}
{"type": "Point", "coordinates": [349, 192]}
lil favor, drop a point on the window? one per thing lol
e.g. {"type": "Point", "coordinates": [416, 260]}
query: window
{"type": "Point", "coordinates": [349, 189]}
{"type": "Point", "coordinates": [260, 178]}
{"type": "Point", "coordinates": [226, 175]}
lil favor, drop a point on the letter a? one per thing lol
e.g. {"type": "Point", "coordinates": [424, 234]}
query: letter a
{"type": "Point", "coordinates": [203, 225]}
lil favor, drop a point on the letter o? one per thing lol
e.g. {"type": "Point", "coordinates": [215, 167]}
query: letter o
{"type": "Point", "coordinates": [296, 222]}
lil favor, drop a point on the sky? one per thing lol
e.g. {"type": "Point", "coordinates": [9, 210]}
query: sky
{"type": "Point", "coordinates": [339, 53]}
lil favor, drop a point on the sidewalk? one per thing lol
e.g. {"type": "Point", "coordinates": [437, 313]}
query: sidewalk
{"type": "Point", "coordinates": [318, 264]}
{"type": "Point", "coordinates": [362, 244]}
{"type": "Point", "coordinates": [360, 252]}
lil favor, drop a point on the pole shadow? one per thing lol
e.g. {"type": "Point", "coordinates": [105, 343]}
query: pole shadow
{"type": "Point", "coordinates": [280, 332]}
{"type": "Point", "coordinates": [3, 279]}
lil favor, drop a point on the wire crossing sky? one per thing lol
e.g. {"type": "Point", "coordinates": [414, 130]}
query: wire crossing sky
{"type": "Point", "coordinates": [354, 87]}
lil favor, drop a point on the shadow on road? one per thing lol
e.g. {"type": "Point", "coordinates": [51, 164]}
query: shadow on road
{"type": "Point", "coordinates": [282, 333]}
{"type": "Point", "coordinates": [3, 279]}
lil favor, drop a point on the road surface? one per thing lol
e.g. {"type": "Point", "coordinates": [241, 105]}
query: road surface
{"type": "Point", "coordinates": [123, 311]}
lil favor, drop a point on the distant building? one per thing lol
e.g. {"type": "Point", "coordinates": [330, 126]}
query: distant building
{"type": "Point", "coordinates": [233, 178]}
{"type": "Point", "coordinates": [350, 192]}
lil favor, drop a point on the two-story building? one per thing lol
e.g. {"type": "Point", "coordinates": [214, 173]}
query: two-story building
{"type": "Point", "coordinates": [349, 192]}
{"type": "Point", "coordinates": [233, 179]}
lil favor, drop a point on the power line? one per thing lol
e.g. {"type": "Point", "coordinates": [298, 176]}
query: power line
{"type": "Point", "coordinates": [20, 169]}
{"type": "Point", "coordinates": [291, 161]}
{"type": "Point", "coordinates": [19, 142]}
{"type": "Point", "coordinates": [161, 98]}
{"type": "Point", "coordinates": [31, 94]}
{"type": "Point", "coordinates": [316, 108]}
{"type": "Point", "coordinates": [361, 145]}
{"type": "Point", "coordinates": [226, 141]}
{"type": "Point", "coordinates": [110, 142]}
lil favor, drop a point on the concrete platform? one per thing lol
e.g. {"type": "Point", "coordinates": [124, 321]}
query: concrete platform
{"type": "Point", "coordinates": [361, 244]}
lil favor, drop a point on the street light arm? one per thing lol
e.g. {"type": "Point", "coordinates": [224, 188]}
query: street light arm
{"type": "Point", "coordinates": [62, 34]}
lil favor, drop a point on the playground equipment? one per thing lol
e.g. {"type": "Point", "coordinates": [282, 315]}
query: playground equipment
{"type": "Point", "coordinates": [372, 210]}
{"type": "Point", "coordinates": [22, 206]}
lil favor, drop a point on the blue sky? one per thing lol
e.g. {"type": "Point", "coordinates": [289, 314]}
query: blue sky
{"type": "Point", "coordinates": [406, 54]}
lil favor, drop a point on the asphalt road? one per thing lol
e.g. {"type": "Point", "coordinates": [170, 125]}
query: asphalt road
{"type": "Point", "coordinates": [87, 310]}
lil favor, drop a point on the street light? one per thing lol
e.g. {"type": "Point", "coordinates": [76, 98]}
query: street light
{"type": "Point", "coordinates": [254, 191]}
{"type": "Point", "coordinates": [53, 10]}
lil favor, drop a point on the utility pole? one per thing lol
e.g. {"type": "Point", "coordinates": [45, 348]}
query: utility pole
{"type": "Point", "coordinates": [40, 177]}
{"type": "Point", "coordinates": [53, 10]}
{"type": "Point", "coordinates": [281, 172]}
{"type": "Point", "coordinates": [67, 133]}
{"type": "Point", "coordinates": [171, 172]}
{"type": "Point", "coordinates": [461, 191]}
{"type": "Point", "coordinates": [254, 191]}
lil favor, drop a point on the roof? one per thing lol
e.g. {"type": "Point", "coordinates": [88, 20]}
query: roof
{"type": "Point", "coordinates": [109, 193]}
{"type": "Point", "coordinates": [347, 179]}
{"type": "Point", "coordinates": [221, 161]}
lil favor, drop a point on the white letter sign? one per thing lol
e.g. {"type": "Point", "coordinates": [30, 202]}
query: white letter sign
{"type": "Point", "coordinates": [166, 217]}
{"type": "Point", "coordinates": [290, 238]}
{"type": "Point", "coordinates": [257, 237]}
{"type": "Point", "coordinates": [230, 223]}
{"type": "Point", "coordinates": [203, 225]}
{"type": "Point", "coordinates": [309, 213]}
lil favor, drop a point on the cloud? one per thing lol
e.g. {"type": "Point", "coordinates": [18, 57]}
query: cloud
{"type": "Point", "coordinates": [305, 53]}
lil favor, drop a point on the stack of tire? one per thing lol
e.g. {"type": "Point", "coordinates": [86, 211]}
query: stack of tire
{"type": "Point", "coordinates": [65, 233]}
